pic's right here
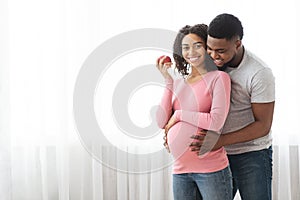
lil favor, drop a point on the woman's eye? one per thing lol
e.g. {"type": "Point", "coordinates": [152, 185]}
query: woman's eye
{"type": "Point", "coordinates": [185, 48]}
{"type": "Point", "coordinates": [198, 46]}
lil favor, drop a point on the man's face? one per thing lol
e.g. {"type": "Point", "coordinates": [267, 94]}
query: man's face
{"type": "Point", "coordinates": [222, 51]}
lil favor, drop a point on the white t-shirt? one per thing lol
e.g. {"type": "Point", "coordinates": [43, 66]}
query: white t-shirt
{"type": "Point", "coordinates": [251, 82]}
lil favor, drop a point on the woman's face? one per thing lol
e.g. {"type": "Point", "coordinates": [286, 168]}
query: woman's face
{"type": "Point", "coordinates": [193, 49]}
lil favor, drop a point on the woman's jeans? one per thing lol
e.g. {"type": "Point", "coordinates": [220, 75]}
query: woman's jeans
{"type": "Point", "coordinates": [203, 186]}
{"type": "Point", "coordinates": [252, 174]}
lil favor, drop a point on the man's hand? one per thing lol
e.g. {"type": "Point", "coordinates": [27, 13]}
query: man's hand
{"type": "Point", "coordinates": [206, 141]}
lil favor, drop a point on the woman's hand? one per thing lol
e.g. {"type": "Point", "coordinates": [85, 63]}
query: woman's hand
{"type": "Point", "coordinates": [163, 68]}
{"type": "Point", "coordinates": [169, 125]}
{"type": "Point", "coordinates": [166, 143]}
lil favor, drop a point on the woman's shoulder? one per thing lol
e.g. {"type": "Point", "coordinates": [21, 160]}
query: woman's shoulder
{"type": "Point", "coordinates": [178, 81]}
{"type": "Point", "coordinates": [218, 73]}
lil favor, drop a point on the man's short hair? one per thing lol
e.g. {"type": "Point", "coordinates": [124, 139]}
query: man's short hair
{"type": "Point", "coordinates": [225, 26]}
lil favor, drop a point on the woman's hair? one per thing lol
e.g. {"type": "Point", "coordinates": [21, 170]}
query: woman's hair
{"type": "Point", "coordinates": [180, 64]}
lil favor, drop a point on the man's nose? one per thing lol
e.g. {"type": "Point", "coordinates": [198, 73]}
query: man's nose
{"type": "Point", "coordinates": [213, 54]}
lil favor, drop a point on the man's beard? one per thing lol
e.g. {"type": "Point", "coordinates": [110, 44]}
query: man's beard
{"type": "Point", "coordinates": [223, 68]}
{"type": "Point", "coordinates": [228, 64]}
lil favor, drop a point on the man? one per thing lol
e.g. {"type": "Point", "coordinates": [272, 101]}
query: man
{"type": "Point", "coordinates": [247, 130]}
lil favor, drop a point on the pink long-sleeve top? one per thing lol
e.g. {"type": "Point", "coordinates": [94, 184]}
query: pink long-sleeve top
{"type": "Point", "coordinates": [196, 106]}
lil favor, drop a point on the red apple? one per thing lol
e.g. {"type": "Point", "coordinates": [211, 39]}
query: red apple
{"type": "Point", "coordinates": [167, 59]}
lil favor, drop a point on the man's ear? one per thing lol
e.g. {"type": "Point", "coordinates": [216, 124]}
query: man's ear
{"type": "Point", "coordinates": [238, 43]}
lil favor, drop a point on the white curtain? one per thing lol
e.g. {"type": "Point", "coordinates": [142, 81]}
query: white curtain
{"type": "Point", "coordinates": [44, 45]}
{"type": "Point", "coordinates": [44, 173]}
{"type": "Point", "coordinates": [5, 159]}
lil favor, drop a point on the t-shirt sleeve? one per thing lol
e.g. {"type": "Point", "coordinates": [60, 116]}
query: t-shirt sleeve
{"type": "Point", "coordinates": [263, 87]}
{"type": "Point", "coordinates": [215, 119]}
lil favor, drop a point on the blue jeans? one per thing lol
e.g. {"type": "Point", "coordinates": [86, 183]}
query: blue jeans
{"type": "Point", "coordinates": [203, 186]}
{"type": "Point", "coordinates": [252, 174]}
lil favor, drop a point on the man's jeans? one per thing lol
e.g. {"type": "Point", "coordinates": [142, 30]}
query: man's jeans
{"type": "Point", "coordinates": [203, 186]}
{"type": "Point", "coordinates": [252, 174]}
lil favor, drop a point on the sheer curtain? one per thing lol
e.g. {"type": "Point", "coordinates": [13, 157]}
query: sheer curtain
{"type": "Point", "coordinates": [44, 45]}
{"type": "Point", "coordinates": [5, 159]}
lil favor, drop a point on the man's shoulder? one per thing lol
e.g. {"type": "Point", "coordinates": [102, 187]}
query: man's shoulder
{"type": "Point", "coordinates": [251, 59]}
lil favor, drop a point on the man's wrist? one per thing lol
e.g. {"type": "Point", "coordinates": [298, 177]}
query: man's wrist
{"type": "Point", "coordinates": [222, 140]}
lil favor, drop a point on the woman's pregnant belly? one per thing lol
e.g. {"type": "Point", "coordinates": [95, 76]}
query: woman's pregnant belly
{"type": "Point", "coordinates": [179, 138]}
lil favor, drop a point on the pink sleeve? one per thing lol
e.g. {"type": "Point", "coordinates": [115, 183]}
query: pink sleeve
{"type": "Point", "coordinates": [215, 119]}
{"type": "Point", "coordinates": [164, 110]}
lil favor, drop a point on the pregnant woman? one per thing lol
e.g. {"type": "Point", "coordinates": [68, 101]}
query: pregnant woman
{"type": "Point", "coordinates": [198, 101]}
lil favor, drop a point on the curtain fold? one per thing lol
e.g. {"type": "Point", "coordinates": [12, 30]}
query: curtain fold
{"type": "Point", "coordinates": [5, 139]}
{"type": "Point", "coordinates": [38, 175]}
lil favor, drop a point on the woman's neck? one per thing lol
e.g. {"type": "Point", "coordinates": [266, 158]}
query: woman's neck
{"type": "Point", "coordinates": [197, 71]}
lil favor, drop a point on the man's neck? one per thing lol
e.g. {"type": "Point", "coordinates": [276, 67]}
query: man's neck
{"type": "Point", "coordinates": [238, 58]}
